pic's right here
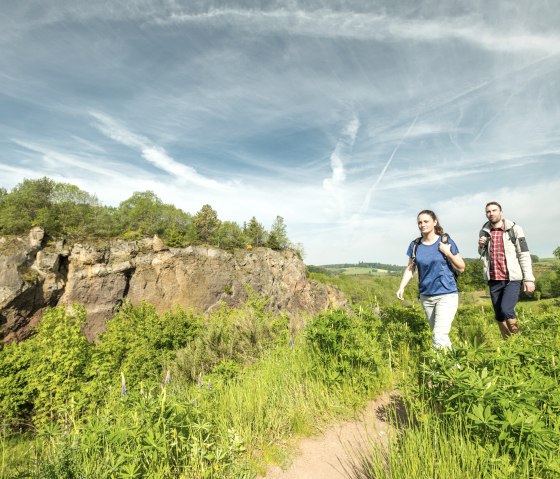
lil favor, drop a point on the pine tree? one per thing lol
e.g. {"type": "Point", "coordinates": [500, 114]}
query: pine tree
{"type": "Point", "coordinates": [278, 239]}
{"type": "Point", "coordinates": [255, 233]}
{"type": "Point", "coordinates": [206, 224]}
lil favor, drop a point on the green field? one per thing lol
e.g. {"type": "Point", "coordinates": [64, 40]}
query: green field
{"type": "Point", "coordinates": [355, 270]}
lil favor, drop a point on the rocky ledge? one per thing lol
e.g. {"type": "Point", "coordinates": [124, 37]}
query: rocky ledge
{"type": "Point", "coordinates": [36, 273]}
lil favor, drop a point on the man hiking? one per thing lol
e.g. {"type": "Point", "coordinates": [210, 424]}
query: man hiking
{"type": "Point", "coordinates": [507, 263]}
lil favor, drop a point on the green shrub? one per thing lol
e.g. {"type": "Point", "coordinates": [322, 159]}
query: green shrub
{"type": "Point", "coordinates": [507, 396]}
{"type": "Point", "coordinates": [232, 335]}
{"type": "Point", "coordinates": [347, 345]}
{"type": "Point", "coordinates": [140, 344]}
{"type": "Point", "coordinates": [44, 375]}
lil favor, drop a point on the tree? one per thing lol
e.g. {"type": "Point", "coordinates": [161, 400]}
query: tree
{"type": "Point", "coordinates": [255, 233]}
{"type": "Point", "coordinates": [556, 253]}
{"type": "Point", "coordinates": [142, 213]}
{"type": "Point", "coordinates": [27, 205]}
{"type": "Point", "coordinates": [278, 239]}
{"type": "Point", "coordinates": [178, 225]}
{"type": "Point", "coordinates": [206, 224]}
{"type": "Point", "coordinates": [472, 279]}
{"type": "Point", "coordinates": [229, 235]}
{"type": "Point", "coordinates": [72, 210]}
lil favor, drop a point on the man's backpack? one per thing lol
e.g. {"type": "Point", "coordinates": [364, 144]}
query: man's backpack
{"type": "Point", "coordinates": [444, 240]}
{"type": "Point", "coordinates": [511, 232]}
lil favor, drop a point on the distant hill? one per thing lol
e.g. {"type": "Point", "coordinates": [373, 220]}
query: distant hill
{"type": "Point", "coordinates": [372, 269]}
{"type": "Point", "coordinates": [388, 267]}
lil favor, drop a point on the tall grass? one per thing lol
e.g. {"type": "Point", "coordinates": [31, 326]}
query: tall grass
{"type": "Point", "coordinates": [226, 415]}
{"type": "Point", "coordinates": [432, 449]}
{"type": "Point", "coordinates": [490, 408]}
{"type": "Point", "coordinates": [223, 396]}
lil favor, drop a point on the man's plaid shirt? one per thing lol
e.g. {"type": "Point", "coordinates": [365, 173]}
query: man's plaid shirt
{"type": "Point", "coordinates": [498, 267]}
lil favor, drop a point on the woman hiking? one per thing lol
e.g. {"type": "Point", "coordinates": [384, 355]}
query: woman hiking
{"type": "Point", "coordinates": [436, 256]}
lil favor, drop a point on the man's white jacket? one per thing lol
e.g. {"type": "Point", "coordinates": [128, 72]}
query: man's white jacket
{"type": "Point", "coordinates": [518, 258]}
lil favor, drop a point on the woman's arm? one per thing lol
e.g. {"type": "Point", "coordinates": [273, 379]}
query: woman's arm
{"type": "Point", "coordinates": [406, 277]}
{"type": "Point", "coordinates": [456, 260]}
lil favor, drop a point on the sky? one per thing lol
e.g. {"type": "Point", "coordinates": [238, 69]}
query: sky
{"type": "Point", "coordinates": [344, 117]}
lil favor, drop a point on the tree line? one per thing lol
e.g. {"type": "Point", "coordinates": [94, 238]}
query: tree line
{"type": "Point", "coordinates": [64, 210]}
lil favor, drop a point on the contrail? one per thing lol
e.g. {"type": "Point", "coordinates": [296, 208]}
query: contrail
{"type": "Point", "coordinates": [367, 199]}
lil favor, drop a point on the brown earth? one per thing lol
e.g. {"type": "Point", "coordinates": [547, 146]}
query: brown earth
{"type": "Point", "coordinates": [334, 453]}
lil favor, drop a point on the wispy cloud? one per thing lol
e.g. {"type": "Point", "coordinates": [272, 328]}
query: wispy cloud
{"type": "Point", "coordinates": [314, 19]}
{"type": "Point", "coordinates": [425, 176]}
{"type": "Point", "coordinates": [342, 149]}
{"type": "Point", "coordinates": [369, 194]}
{"type": "Point", "coordinates": [53, 160]}
{"type": "Point", "coordinates": [258, 108]}
{"type": "Point", "coordinates": [154, 154]}
{"type": "Point", "coordinates": [329, 23]}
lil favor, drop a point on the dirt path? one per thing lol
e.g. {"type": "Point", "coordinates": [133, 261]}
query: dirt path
{"type": "Point", "coordinates": [327, 455]}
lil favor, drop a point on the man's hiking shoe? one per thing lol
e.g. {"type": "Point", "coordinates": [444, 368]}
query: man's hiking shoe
{"type": "Point", "coordinates": [512, 325]}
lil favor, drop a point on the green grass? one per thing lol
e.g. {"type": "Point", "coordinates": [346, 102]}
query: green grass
{"type": "Point", "coordinates": [237, 414]}
{"type": "Point", "coordinates": [489, 409]}
{"type": "Point", "coordinates": [244, 386]}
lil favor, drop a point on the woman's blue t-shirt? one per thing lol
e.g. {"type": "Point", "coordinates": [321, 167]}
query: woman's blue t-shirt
{"type": "Point", "coordinates": [434, 272]}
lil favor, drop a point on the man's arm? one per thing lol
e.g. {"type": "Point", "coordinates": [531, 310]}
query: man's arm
{"type": "Point", "coordinates": [524, 258]}
{"type": "Point", "coordinates": [482, 242]}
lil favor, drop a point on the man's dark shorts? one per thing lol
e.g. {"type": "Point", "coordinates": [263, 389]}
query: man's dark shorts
{"type": "Point", "coordinates": [505, 295]}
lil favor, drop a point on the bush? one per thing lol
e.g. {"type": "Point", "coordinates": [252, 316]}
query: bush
{"type": "Point", "coordinates": [231, 337]}
{"type": "Point", "coordinates": [348, 345]}
{"type": "Point", "coordinates": [139, 343]}
{"type": "Point", "coordinates": [44, 375]}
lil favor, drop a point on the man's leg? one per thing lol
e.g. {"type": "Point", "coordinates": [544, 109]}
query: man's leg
{"type": "Point", "coordinates": [504, 295]}
{"type": "Point", "coordinates": [510, 297]}
{"type": "Point", "coordinates": [496, 294]}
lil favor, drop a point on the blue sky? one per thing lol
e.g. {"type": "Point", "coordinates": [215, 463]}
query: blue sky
{"type": "Point", "coordinates": [344, 117]}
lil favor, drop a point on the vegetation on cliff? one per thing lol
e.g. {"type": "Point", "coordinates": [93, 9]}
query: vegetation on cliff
{"type": "Point", "coordinates": [64, 210]}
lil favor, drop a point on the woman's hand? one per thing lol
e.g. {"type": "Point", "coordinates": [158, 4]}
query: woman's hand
{"type": "Point", "coordinates": [445, 248]}
{"type": "Point", "coordinates": [400, 294]}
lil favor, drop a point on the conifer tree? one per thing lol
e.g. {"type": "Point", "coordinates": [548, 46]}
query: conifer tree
{"type": "Point", "coordinates": [206, 224]}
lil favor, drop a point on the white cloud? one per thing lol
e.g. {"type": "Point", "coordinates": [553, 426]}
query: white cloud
{"type": "Point", "coordinates": [369, 193]}
{"type": "Point", "coordinates": [329, 23]}
{"type": "Point", "coordinates": [342, 150]}
{"type": "Point", "coordinates": [153, 153]}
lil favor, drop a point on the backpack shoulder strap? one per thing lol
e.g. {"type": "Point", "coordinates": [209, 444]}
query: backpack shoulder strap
{"type": "Point", "coordinates": [413, 254]}
{"type": "Point", "coordinates": [511, 233]}
{"type": "Point", "coordinates": [445, 240]}
{"type": "Point", "coordinates": [415, 247]}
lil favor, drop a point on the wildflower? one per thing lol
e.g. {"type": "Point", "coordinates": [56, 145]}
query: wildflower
{"type": "Point", "coordinates": [123, 385]}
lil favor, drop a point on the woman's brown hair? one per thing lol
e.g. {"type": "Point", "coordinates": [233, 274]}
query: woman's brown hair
{"type": "Point", "coordinates": [438, 228]}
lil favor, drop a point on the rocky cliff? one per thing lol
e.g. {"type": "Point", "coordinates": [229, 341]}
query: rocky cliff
{"type": "Point", "coordinates": [36, 273]}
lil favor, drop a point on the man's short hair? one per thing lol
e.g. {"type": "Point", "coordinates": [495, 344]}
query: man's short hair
{"type": "Point", "coordinates": [493, 203]}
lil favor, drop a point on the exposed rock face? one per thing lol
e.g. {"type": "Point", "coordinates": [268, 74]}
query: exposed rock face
{"type": "Point", "coordinates": [35, 275]}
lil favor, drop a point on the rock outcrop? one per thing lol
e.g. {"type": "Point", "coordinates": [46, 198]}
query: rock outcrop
{"type": "Point", "coordinates": [36, 274]}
